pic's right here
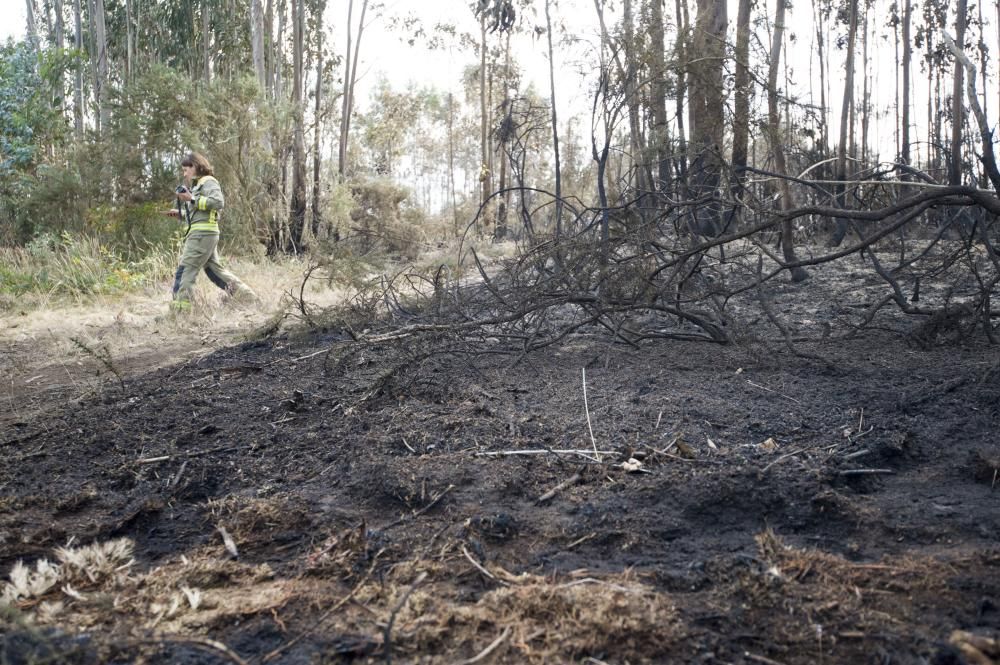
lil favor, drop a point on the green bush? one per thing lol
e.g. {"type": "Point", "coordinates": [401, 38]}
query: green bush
{"type": "Point", "coordinates": [74, 266]}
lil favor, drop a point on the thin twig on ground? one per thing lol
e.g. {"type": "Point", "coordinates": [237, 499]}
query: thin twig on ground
{"type": "Point", "coordinates": [488, 650]}
{"type": "Point", "coordinates": [387, 633]}
{"type": "Point", "coordinates": [202, 643]}
{"type": "Point", "coordinates": [323, 617]}
{"type": "Point", "coordinates": [586, 409]}
{"type": "Point", "coordinates": [569, 482]}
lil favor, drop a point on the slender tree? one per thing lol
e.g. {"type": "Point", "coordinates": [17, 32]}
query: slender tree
{"type": "Point", "coordinates": [904, 129]}
{"type": "Point", "coordinates": [555, 124]}
{"type": "Point", "coordinates": [30, 25]}
{"type": "Point", "coordinates": [297, 218]}
{"type": "Point", "coordinates": [658, 94]}
{"type": "Point", "coordinates": [680, 48]}
{"type": "Point", "coordinates": [350, 77]}
{"type": "Point", "coordinates": [78, 70]}
{"type": "Point", "coordinates": [776, 142]}
{"type": "Point", "coordinates": [317, 209]}
{"type": "Point", "coordinates": [845, 116]}
{"type": "Point", "coordinates": [742, 91]}
{"type": "Point", "coordinates": [957, 109]}
{"type": "Point", "coordinates": [257, 42]}
{"type": "Point", "coordinates": [706, 109]}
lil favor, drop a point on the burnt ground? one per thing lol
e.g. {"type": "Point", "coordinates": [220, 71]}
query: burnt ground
{"type": "Point", "coordinates": [786, 509]}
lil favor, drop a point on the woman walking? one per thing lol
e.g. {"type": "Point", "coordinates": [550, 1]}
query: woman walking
{"type": "Point", "coordinates": [199, 201]}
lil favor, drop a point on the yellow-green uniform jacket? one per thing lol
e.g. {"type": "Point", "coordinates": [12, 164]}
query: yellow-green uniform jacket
{"type": "Point", "coordinates": [205, 206]}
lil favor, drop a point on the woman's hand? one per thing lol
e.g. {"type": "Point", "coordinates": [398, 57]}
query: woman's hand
{"type": "Point", "coordinates": [173, 212]}
{"type": "Point", "coordinates": [185, 196]}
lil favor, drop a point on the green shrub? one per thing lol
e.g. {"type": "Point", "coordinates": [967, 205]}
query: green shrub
{"type": "Point", "coordinates": [74, 266]}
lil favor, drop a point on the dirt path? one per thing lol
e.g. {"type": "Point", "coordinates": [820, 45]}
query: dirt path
{"type": "Point", "coordinates": [741, 507]}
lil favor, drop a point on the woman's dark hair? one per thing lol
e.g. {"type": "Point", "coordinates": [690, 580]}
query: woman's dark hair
{"type": "Point", "coordinates": [200, 164]}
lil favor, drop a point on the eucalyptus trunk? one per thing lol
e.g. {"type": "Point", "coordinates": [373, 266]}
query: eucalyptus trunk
{"type": "Point", "coordinates": [904, 129]}
{"type": "Point", "coordinates": [317, 210]}
{"type": "Point", "coordinates": [680, 48]}
{"type": "Point", "coordinates": [350, 77]}
{"type": "Point", "coordinates": [706, 111]}
{"type": "Point", "coordinates": [78, 70]}
{"type": "Point", "coordinates": [206, 40]}
{"type": "Point", "coordinates": [297, 218]}
{"type": "Point", "coordinates": [100, 60]}
{"type": "Point", "coordinates": [776, 142]}
{"type": "Point", "coordinates": [845, 116]}
{"type": "Point", "coordinates": [32, 29]}
{"type": "Point", "coordinates": [658, 94]}
{"type": "Point", "coordinates": [555, 125]}
{"type": "Point", "coordinates": [741, 106]}
{"type": "Point", "coordinates": [957, 92]}
{"type": "Point", "coordinates": [257, 42]}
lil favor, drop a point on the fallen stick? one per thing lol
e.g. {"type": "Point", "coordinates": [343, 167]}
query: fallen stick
{"type": "Point", "coordinates": [857, 453]}
{"type": "Point", "coordinates": [785, 456]}
{"type": "Point", "coordinates": [420, 512]}
{"type": "Point", "coordinates": [864, 472]}
{"type": "Point", "coordinates": [180, 471]}
{"type": "Point", "coordinates": [572, 480]}
{"type": "Point", "coordinates": [196, 453]}
{"type": "Point", "coordinates": [488, 650]}
{"type": "Point", "coordinates": [586, 410]}
{"type": "Point", "coordinates": [545, 451]}
{"type": "Point", "coordinates": [757, 385]}
{"type": "Point", "coordinates": [203, 643]}
{"type": "Point", "coordinates": [761, 659]}
{"type": "Point", "coordinates": [479, 567]}
{"type": "Point", "coordinates": [228, 541]}
{"type": "Point", "coordinates": [343, 601]}
{"type": "Point", "coordinates": [387, 641]}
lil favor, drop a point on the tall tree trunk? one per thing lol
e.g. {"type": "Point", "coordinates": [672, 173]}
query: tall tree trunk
{"type": "Point", "coordinates": [297, 218]}
{"type": "Point", "coordinates": [59, 29]}
{"type": "Point", "coordinates": [485, 186]}
{"type": "Point", "coordinates": [866, 91]}
{"type": "Point", "coordinates": [741, 107]}
{"type": "Point", "coordinates": [658, 94]}
{"type": "Point", "coordinates": [129, 41]}
{"type": "Point", "coordinates": [206, 37]}
{"type": "Point", "coordinates": [845, 117]}
{"type": "Point", "coordinates": [31, 26]}
{"type": "Point", "coordinates": [350, 76]}
{"type": "Point", "coordinates": [270, 54]}
{"type": "Point", "coordinates": [100, 61]}
{"type": "Point", "coordinates": [257, 42]}
{"type": "Point", "coordinates": [904, 130]}
{"type": "Point", "coordinates": [78, 70]}
{"type": "Point", "coordinates": [500, 227]}
{"type": "Point", "coordinates": [555, 125]}
{"type": "Point", "coordinates": [632, 101]}
{"type": "Point", "coordinates": [317, 210]}
{"type": "Point", "coordinates": [59, 41]}
{"type": "Point", "coordinates": [278, 52]}
{"type": "Point", "coordinates": [957, 91]}
{"type": "Point", "coordinates": [776, 141]}
{"type": "Point", "coordinates": [683, 28]}
{"type": "Point", "coordinates": [706, 109]}
{"type": "Point", "coordinates": [451, 162]}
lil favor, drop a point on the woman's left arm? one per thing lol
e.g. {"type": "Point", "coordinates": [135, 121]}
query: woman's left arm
{"type": "Point", "coordinates": [209, 196]}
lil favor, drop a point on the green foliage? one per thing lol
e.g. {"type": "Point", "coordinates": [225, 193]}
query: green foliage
{"type": "Point", "coordinates": [29, 121]}
{"type": "Point", "coordinates": [382, 220]}
{"type": "Point", "coordinates": [73, 266]}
